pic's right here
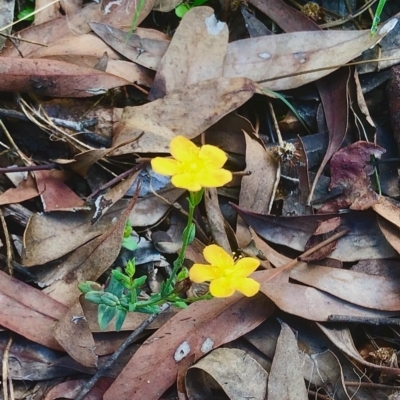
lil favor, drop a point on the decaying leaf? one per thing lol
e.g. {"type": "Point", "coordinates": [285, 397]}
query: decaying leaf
{"type": "Point", "coordinates": [350, 170]}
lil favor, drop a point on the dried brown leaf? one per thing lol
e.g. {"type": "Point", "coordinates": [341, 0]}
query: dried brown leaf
{"type": "Point", "coordinates": [150, 128]}
{"type": "Point", "coordinates": [196, 53]}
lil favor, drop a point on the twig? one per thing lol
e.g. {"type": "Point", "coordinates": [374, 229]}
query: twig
{"type": "Point", "coordinates": [129, 340]}
{"type": "Point", "coordinates": [28, 168]}
{"type": "Point", "coordinates": [294, 262]}
{"type": "Point", "coordinates": [116, 179]}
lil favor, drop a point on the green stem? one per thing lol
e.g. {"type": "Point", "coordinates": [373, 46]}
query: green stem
{"type": "Point", "coordinates": [185, 241]}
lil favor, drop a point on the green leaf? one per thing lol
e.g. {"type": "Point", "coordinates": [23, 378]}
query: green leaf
{"type": "Point", "coordinates": [139, 281]}
{"type": "Point", "coordinates": [180, 304]}
{"type": "Point", "coordinates": [197, 3]}
{"type": "Point", "coordinates": [121, 315]}
{"type": "Point", "coordinates": [109, 299]}
{"type": "Point", "coordinates": [127, 229]}
{"type": "Point", "coordinates": [130, 268]}
{"type": "Point", "coordinates": [94, 296]}
{"type": "Point", "coordinates": [132, 307]}
{"type": "Point", "coordinates": [191, 234]}
{"type": "Point", "coordinates": [181, 10]}
{"type": "Point", "coordinates": [148, 309]}
{"type": "Point", "coordinates": [104, 315]}
{"type": "Point", "coordinates": [183, 274]}
{"type": "Point", "coordinates": [87, 286]}
{"type": "Point", "coordinates": [26, 11]}
{"type": "Point", "coordinates": [129, 243]}
{"type": "Point", "coordinates": [115, 287]}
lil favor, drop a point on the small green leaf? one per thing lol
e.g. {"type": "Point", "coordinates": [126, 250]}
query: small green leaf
{"type": "Point", "coordinates": [109, 299]}
{"type": "Point", "coordinates": [115, 287]}
{"type": "Point", "coordinates": [129, 243]}
{"type": "Point", "coordinates": [132, 307]}
{"type": "Point", "coordinates": [130, 268]}
{"type": "Point", "coordinates": [127, 229]}
{"type": "Point", "coordinates": [183, 274]}
{"type": "Point", "coordinates": [148, 309]}
{"type": "Point", "coordinates": [139, 281]}
{"type": "Point", "coordinates": [181, 10]}
{"type": "Point", "coordinates": [88, 286]}
{"type": "Point", "coordinates": [120, 318]}
{"type": "Point", "coordinates": [192, 233]}
{"type": "Point", "coordinates": [104, 315]}
{"type": "Point", "coordinates": [180, 304]}
{"type": "Point", "coordinates": [197, 3]}
{"type": "Point", "coordinates": [28, 10]}
{"type": "Point", "coordinates": [94, 296]}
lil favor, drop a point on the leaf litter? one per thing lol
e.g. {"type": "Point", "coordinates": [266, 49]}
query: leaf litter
{"type": "Point", "coordinates": [205, 78]}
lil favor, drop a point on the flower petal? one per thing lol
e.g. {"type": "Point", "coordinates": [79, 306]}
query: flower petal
{"type": "Point", "coordinates": [186, 181]}
{"type": "Point", "coordinates": [249, 287]}
{"type": "Point", "coordinates": [215, 157]}
{"type": "Point", "coordinates": [200, 273]}
{"type": "Point", "coordinates": [215, 178]}
{"type": "Point", "coordinates": [218, 257]}
{"type": "Point", "coordinates": [183, 149]}
{"type": "Point", "coordinates": [222, 287]}
{"type": "Point", "coordinates": [245, 266]}
{"type": "Point", "coordinates": [165, 166]}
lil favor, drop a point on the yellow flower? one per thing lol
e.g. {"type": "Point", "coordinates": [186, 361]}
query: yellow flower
{"type": "Point", "coordinates": [193, 168]}
{"type": "Point", "coordinates": [225, 274]}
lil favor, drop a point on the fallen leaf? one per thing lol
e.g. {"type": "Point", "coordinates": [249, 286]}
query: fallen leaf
{"type": "Point", "coordinates": [369, 291]}
{"type": "Point", "coordinates": [68, 232]}
{"type": "Point", "coordinates": [238, 375]}
{"type": "Point", "coordinates": [29, 312]}
{"type": "Point", "coordinates": [25, 190]}
{"type": "Point", "coordinates": [73, 333]}
{"type": "Point", "coordinates": [55, 194]}
{"type": "Point", "coordinates": [142, 50]}
{"type": "Point", "coordinates": [286, 378]}
{"type": "Point", "coordinates": [208, 321]}
{"type": "Point", "coordinates": [350, 170]}
{"type": "Point", "coordinates": [189, 112]}
{"type": "Point", "coordinates": [196, 53]}
{"type": "Point", "coordinates": [257, 189]}
{"type": "Point", "coordinates": [363, 241]}
{"type": "Point", "coordinates": [313, 304]}
{"type": "Point", "coordinates": [54, 78]}
{"type": "Point", "coordinates": [275, 65]}
{"type": "Point", "coordinates": [89, 261]}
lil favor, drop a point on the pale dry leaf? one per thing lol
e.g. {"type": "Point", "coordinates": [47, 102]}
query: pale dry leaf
{"type": "Point", "coordinates": [150, 128]}
{"type": "Point", "coordinates": [238, 375]}
{"type": "Point", "coordinates": [269, 59]}
{"type": "Point", "coordinates": [196, 53]}
{"type": "Point", "coordinates": [257, 189]}
{"type": "Point", "coordinates": [286, 378]}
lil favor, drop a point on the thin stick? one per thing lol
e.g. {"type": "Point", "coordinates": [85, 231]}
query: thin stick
{"type": "Point", "coordinates": [28, 168]}
{"type": "Point", "coordinates": [129, 340]}
{"type": "Point", "coordinates": [13, 144]}
{"type": "Point", "coordinates": [294, 262]}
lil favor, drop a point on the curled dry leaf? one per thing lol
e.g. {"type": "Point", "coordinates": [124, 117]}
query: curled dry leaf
{"type": "Point", "coordinates": [350, 170]}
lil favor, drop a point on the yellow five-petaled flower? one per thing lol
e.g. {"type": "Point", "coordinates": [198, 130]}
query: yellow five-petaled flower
{"type": "Point", "coordinates": [225, 274]}
{"type": "Point", "coordinates": [192, 167]}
